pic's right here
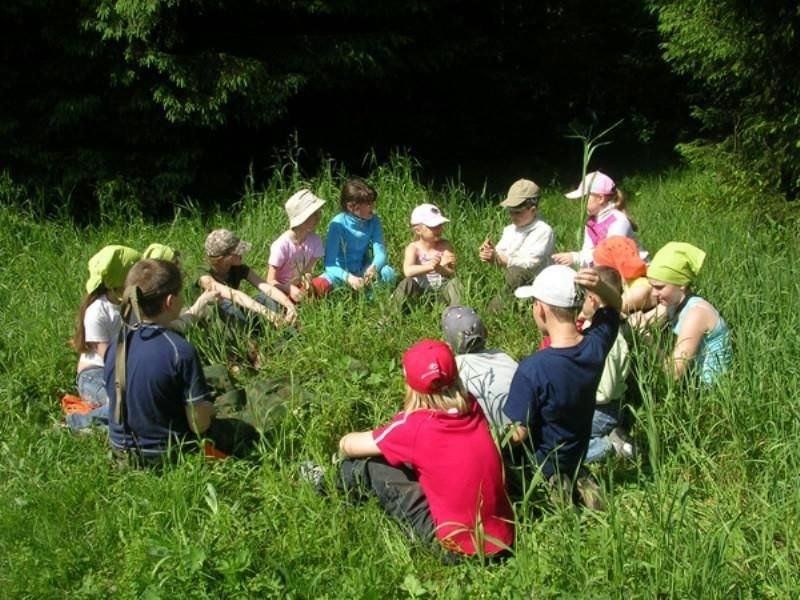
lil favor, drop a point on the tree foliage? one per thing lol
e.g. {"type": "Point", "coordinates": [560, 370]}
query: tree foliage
{"type": "Point", "coordinates": [149, 96]}
{"type": "Point", "coordinates": [743, 56]}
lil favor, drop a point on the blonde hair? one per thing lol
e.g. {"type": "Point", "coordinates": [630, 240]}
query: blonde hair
{"type": "Point", "coordinates": [453, 397]}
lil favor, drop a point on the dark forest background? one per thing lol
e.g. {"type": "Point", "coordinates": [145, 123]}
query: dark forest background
{"type": "Point", "coordinates": [156, 100]}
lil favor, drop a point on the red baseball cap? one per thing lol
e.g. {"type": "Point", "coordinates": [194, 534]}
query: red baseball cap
{"type": "Point", "coordinates": [429, 366]}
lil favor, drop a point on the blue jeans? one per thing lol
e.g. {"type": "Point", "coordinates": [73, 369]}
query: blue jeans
{"type": "Point", "coordinates": [91, 388]}
{"type": "Point", "coordinates": [605, 419]}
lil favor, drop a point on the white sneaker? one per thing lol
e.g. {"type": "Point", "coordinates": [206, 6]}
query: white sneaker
{"type": "Point", "coordinates": [622, 444]}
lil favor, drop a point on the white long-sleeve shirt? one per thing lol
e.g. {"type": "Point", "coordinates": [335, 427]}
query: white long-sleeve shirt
{"type": "Point", "coordinates": [528, 246]}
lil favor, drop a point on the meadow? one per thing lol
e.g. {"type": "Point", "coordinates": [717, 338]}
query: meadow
{"type": "Point", "coordinates": [710, 509]}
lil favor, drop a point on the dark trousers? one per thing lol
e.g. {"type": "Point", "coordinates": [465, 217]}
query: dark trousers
{"type": "Point", "coordinates": [397, 490]}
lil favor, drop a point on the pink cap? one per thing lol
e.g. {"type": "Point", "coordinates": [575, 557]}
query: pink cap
{"type": "Point", "coordinates": [429, 366]}
{"type": "Point", "coordinates": [594, 183]}
{"type": "Point", "coordinates": [429, 215]}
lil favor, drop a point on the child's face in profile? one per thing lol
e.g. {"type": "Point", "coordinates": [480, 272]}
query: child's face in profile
{"type": "Point", "coordinates": [667, 294]}
{"type": "Point", "coordinates": [363, 210]}
{"type": "Point", "coordinates": [595, 204]}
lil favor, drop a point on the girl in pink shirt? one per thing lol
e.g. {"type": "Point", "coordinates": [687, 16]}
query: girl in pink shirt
{"type": "Point", "coordinates": [295, 253]}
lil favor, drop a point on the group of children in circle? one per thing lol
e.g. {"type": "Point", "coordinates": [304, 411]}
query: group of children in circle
{"type": "Point", "coordinates": [436, 466]}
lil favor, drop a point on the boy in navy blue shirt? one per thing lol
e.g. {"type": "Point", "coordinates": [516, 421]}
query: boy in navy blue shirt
{"type": "Point", "coordinates": [552, 395]}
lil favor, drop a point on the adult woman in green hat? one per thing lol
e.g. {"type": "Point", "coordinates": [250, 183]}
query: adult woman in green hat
{"type": "Point", "coordinates": [97, 324]}
{"type": "Point", "coordinates": [703, 342]}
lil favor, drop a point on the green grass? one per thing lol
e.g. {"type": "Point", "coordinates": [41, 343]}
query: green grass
{"type": "Point", "coordinates": [714, 511]}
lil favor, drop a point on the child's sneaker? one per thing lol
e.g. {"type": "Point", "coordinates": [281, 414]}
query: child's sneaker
{"type": "Point", "coordinates": [622, 444]}
{"type": "Point", "coordinates": [312, 473]}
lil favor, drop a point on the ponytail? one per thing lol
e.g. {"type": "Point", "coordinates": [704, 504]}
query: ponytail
{"type": "Point", "coordinates": [620, 202]}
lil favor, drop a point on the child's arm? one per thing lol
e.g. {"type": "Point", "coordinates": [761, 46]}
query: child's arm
{"type": "Point", "coordinates": [694, 326]}
{"type": "Point", "coordinates": [358, 444]}
{"type": "Point", "coordinates": [447, 264]}
{"type": "Point", "coordinates": [274, 293]}
{"type": "Point", "coordinates": [589, 279]}
{"type": "Point", "coordinates": [334, 250]}
{"type": "Point", "coordinates": [410, 266]}
{"type": "Point", "coordinates": [378, 245]}
{"type": "Point", "coordinates": [196, 311]}
{"type": "Point", "coordinates": [638, 297]}
{"type": "Point", "coordinates": [199, 415]}
{"type": "Point", "coordinates": [240, 298]}
{"type": "Point", "coordinates": [565, 258]}
{"type": "Point", "coordinates": [292, 291]}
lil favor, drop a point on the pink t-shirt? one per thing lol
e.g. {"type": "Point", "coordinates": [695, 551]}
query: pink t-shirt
{"type": "Point", "coordinates": [291, 259]}
{"type": "Point", "coordinates": [460, 472]}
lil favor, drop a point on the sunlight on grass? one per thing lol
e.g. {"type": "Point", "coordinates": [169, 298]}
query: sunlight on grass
{"type": "Point", "coordinates": [711, 509]}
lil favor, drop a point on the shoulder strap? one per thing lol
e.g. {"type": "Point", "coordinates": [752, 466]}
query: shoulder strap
{"type": "Point", "coordinates": [131, 319]}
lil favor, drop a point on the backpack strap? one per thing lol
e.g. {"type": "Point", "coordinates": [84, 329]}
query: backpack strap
{"type": "Point", "coordinates": [131, 319]}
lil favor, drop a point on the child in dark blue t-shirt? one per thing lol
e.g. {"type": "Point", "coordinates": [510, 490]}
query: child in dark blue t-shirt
{"type": "Point", "coordinates": [164, 400]}
{"type": "Point", "coordinates": [552, 395]}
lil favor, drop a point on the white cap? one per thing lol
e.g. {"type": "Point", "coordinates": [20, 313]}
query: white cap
{"type": "Point", "coordinates": [302, 205]}
{"type": "Point", "coordinates": [429, 215]}
{"type": "Point", "coordinates": [594, 183]}
{"type": "Point", "coordinates": [554, 285]}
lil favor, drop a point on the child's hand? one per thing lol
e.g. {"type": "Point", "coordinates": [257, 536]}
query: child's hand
{"type": "Point", "coordinates": [562, 258]}
{"type": "Point", "coordinates": [448, 259]}
{"type": "Point", "coordinates": [355, 282]}
{"type": "Point", "coordinates": [370, 275]}
{"type": "Point", "coordinates": [296, 294]}
{"type": "Point", "coordinates": [433, 263]}
{"type": "Point", "coordinates": [290, 318]}
{"type": "Point", "coordinates": [587, 278]}
{"type": "Point", "coordinates": [486, 251]}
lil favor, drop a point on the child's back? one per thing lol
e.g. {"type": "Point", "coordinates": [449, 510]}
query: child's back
{"type": "Point", "coordinates": [552, 395]}
{"type": "Point", "coordinates": [460, 472]}
{"type": "Point", "coordinates": [553, 391]}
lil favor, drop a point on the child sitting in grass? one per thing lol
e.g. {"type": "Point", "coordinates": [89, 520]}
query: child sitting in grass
{"type": "Point", "coordinates": [355, 252]}
{"type": "Point", "coordinates": [552, 396]}
{"type": "Point", "coordinates": [224, 252]}
{"type": "Point", "coordinates": [607, 433]}
{"type": "Point", "coordinates": [703, 343]}
{"type": "Point", "coordinates": [429, 263]}
{"type": "Point", "coordinates": [96, 328]}
{"type": "Point", "coordinates": [435, 466]}
{"type": "Point", "coordinates": [295, 253]}
{"type": "Point", "coordinates": [158, 395]}
{"type": "Point", "coordinates": [525, 247]}
{"type": "Point", "coordinates": [605, 205]}
{"type": "Point", "coordinates": [484, 373]}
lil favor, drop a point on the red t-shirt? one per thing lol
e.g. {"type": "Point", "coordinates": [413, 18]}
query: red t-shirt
{"type": "Point", "coordinates": [460, 472]}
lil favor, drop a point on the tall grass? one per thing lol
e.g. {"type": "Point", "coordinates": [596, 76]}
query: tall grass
{"type": "Point", "coordinates": [712, 510]}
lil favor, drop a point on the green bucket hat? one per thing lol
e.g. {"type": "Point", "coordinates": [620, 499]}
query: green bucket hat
{"type": "Point", "coordinates": [110, 266]}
